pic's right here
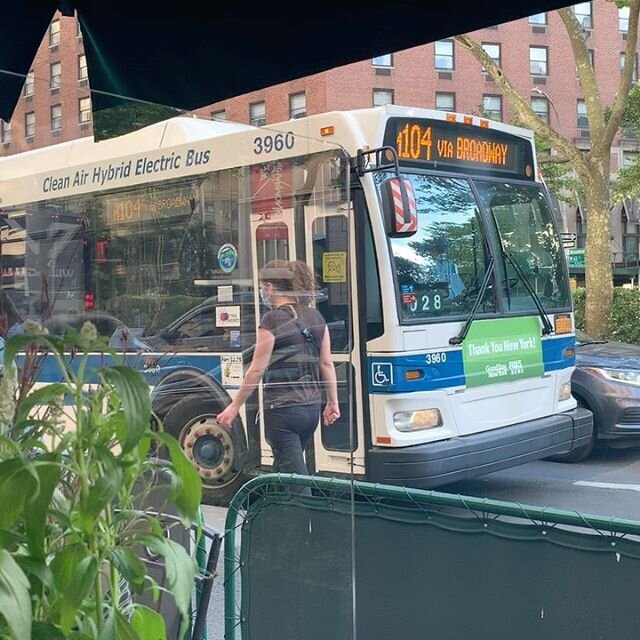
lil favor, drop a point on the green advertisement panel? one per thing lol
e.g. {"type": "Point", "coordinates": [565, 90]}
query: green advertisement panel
{"type": "Point", "coordinates": [502, 350]}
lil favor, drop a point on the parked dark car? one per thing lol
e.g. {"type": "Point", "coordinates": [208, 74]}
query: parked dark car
{"type": "Point", "coordinates": [607, 382]}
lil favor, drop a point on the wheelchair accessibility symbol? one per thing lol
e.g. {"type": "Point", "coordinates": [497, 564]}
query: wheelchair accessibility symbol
{"type": "Point", "coordinates": [381, 374]}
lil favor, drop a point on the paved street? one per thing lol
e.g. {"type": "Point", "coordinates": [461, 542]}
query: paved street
{"type": "Point", "coordinates": [606, 484]}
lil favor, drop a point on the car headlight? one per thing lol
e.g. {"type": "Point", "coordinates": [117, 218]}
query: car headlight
{"type": "Point", "coordinates": [628, 376]}
{"type": "Point", "coordinates": [416, 420]}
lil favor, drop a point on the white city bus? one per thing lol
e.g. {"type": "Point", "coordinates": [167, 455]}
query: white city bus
{"type": "Point", "coordinates": [440, 268]}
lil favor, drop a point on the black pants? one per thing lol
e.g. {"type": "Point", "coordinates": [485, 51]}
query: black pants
{"type": "Point", "coordinates": [289, 430]}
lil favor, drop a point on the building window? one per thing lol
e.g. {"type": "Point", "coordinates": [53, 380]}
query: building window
{"type": "Point", "coordinates": [5, 132]}
{"type": "Point", "coordinates": [56, 117]}
{"type": "Point", "coordinates": [258, 114]}
{"type": "Point", "coordinates": [83, 74]}
{"type": "Point", "coordinates": [445, 101]}
{"type": "Point", "coordinates": [84, 110]}
{"type": "Point", "coordinates": [581, 115]}
{"type": "Point", "coordinates": [29, 84]}
{"type": "Point", "coordinates": [54, 33]}
{"type": "Point", "coordinates": [583, 14]}
{"type": "Point", "coordinates": [623, 19]}
{"type": "Point", "coordinates": [30, 124]}
{"type": "Point", "coordinates": [382, 96]}
{"type": "Point", "coordinates": [382, 61]}
{"type": "Point", "coordinates": [492, 107]}
{"type": "Point", "coordinates": [538, 61]}
{"type": "Point", "coordinates": [443, 55]}
{"type": "Point", "coordinates": [541, 108]}
{"type": "Point", "coordinates": [55, 75]}
{"type": "Point", "coordinates": [298, 105]}
{"type": "Point", "coordinates": [538, 18]}
{"type": "Point", "coordinates": [629, 158]}
{"type": "Point", "coordinates": [493, 51]}
{"type": "Point", "coordinates": [630, 236]}
{"type": "Point", "coordinates": [634, 73]}
{"type": "Point", "coordinates": [221, 114]}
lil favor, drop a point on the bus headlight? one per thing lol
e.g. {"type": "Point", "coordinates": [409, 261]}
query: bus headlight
{"type": "Point", "coordinates": [416, 420]}
{"type": "Point", "coordinates": [565, 391]}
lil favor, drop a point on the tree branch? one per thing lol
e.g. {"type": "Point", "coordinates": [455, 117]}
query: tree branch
{"type": "Point", "coordinates": [624, 87]}
{"type": "Point", "coordinates": [553, 159]}
{"type": "Point", "coordinates": [586, 77]}
{"type": "Point", "coordinates": [525, 113]}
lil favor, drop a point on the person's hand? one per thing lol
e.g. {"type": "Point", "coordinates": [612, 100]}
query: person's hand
{"type": "Point", "coordinates": [227, 416]}
{"type": "Point", "coordinates": [331, 413]}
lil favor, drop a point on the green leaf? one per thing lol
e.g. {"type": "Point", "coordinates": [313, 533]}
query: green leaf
{"type": "Point", "coordinates": [180, 570]}
{"type": "Point", "coordinates": [16, 344]}
{"type": "Point", "coordinates": [129, 565]}
{"type": "Point", "coordinates": [118, 627]}
{"type": "Point", "coordinates": [17, 481]}
{"type": "Point", "coordinates": [148, 623]}
{"type": "Point", "coordinates": [37, 511]}
{"type": "Point", "coordinates": [74, 571]}
{"type": "Point", "coordinates": [36, 568]}
{"type": "Point", "coordinates": [103, 490]}
{"type": "Point", "coordinates": [46, 631]}
{"type": "Point", "coordinates": [41, 396]}
{"type": "Point", "coordinates": [187, 492]}
{"type": "Point", "coordinates": [15, 600]}
{"type": "Point", "coordinates": [133, 392]}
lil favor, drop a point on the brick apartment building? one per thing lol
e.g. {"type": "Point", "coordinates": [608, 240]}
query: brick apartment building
{"type": "Point", "coordinates": [534, 53]}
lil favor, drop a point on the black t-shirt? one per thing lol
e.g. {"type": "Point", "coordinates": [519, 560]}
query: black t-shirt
{"type": "Point", "coordinates": [293, 375]}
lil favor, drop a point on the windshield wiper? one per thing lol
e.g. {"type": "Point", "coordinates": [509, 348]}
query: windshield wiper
{"type": "Point", "coordinates": [546, 325]}
{"type": "Point", "coordinates": [483, 287]}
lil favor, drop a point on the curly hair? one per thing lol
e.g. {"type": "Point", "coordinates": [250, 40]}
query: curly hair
{"type": "Point", "coordinates": [293, 277]}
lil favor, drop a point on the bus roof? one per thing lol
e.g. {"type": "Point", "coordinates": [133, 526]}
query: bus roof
{"type": "Point", "coordinates": [184, 146]}
{"type": "Point", "coordinates": [168, 133]}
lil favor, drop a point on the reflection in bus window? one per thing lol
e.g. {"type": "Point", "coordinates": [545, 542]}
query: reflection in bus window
{"type": "Point", "coordinates": [441, 268]}
{"type": "Point", "coordinates": [526, 230]}
{"type": "Point", "coordinates": [330, 251]}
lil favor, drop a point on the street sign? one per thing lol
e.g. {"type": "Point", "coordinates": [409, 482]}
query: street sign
{"type": "Point", "coordinates": [568, 239]}
{"type": "Point", "coordinates": [575, 257]}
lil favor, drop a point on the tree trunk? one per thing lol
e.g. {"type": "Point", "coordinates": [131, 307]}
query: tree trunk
{"type": "Point", "coordinates": [598, 270]}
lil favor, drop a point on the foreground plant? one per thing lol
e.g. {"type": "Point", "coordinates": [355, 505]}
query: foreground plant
{"type": "Point", "coordinates": [72, 520]}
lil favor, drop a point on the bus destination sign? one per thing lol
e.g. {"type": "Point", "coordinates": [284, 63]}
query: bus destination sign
{"type": "Point", "coordinates": [440, 144]}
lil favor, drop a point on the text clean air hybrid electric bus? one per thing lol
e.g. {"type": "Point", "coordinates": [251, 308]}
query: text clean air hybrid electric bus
{"type": "Point", "coordinates": [440, 270]}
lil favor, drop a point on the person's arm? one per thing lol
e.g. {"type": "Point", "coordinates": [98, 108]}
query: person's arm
{"type": "Point", "coordinates": [328, 376]}
{"type": "Point", "coordinates": [259, 364]}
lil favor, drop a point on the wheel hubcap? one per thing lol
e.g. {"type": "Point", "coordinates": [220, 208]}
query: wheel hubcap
{"type": "Point", "coordinates": [210, 449]}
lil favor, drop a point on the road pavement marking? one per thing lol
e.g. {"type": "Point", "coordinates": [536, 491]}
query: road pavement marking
{"type": "Point", "coordinates": [608, 485]}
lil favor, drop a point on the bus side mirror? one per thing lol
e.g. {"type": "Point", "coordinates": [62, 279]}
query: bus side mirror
{"type": "Point", "coordinates": [398, 207]}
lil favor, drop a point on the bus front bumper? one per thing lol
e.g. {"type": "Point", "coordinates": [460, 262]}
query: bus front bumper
{"type": "Point", "coordinates": [437, 463]}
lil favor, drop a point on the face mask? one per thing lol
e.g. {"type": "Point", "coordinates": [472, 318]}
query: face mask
{"type": "Point", "coordinates": [264, 299]}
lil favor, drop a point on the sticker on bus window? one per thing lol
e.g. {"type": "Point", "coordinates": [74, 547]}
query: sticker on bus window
{"type": "Point", "coordinates": [228, 316]}
{"type": "Point", "coordinates": [407, 294]}
{"type": "Point", "coordinates": [334, 266]}
{"type": "Point", "coordinates": [225, 294]}
{"type": "Point", "coordinates": [235, 339]}
{"type": "Point", "coordinates": [231, 370]}
{"type": "Point", "coordinates": [227, 257]}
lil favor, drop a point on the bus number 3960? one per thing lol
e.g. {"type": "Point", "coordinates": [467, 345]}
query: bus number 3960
{"type": "Point", "coordinates": [278, 142]}
{"type": "Point", "coordinates": [439, 357]}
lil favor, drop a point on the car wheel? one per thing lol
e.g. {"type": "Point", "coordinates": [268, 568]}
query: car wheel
{"type": "Point", "coordinates": [213, 450]}
{"type": "Point", "coordinates": [581, 452]}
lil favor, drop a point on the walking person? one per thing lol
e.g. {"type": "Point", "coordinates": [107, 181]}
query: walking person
{"type": "Point", "coordinates": [293, 354]}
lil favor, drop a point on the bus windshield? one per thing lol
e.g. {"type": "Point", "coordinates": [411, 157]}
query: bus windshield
{"type": "Point", "coordinates": [439, 270]}
{"type": "Point", "coordinates": [526, 232]}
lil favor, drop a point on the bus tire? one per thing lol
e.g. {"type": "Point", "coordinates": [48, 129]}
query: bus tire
{"type": "Point", "coordinates": [214, 451]}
